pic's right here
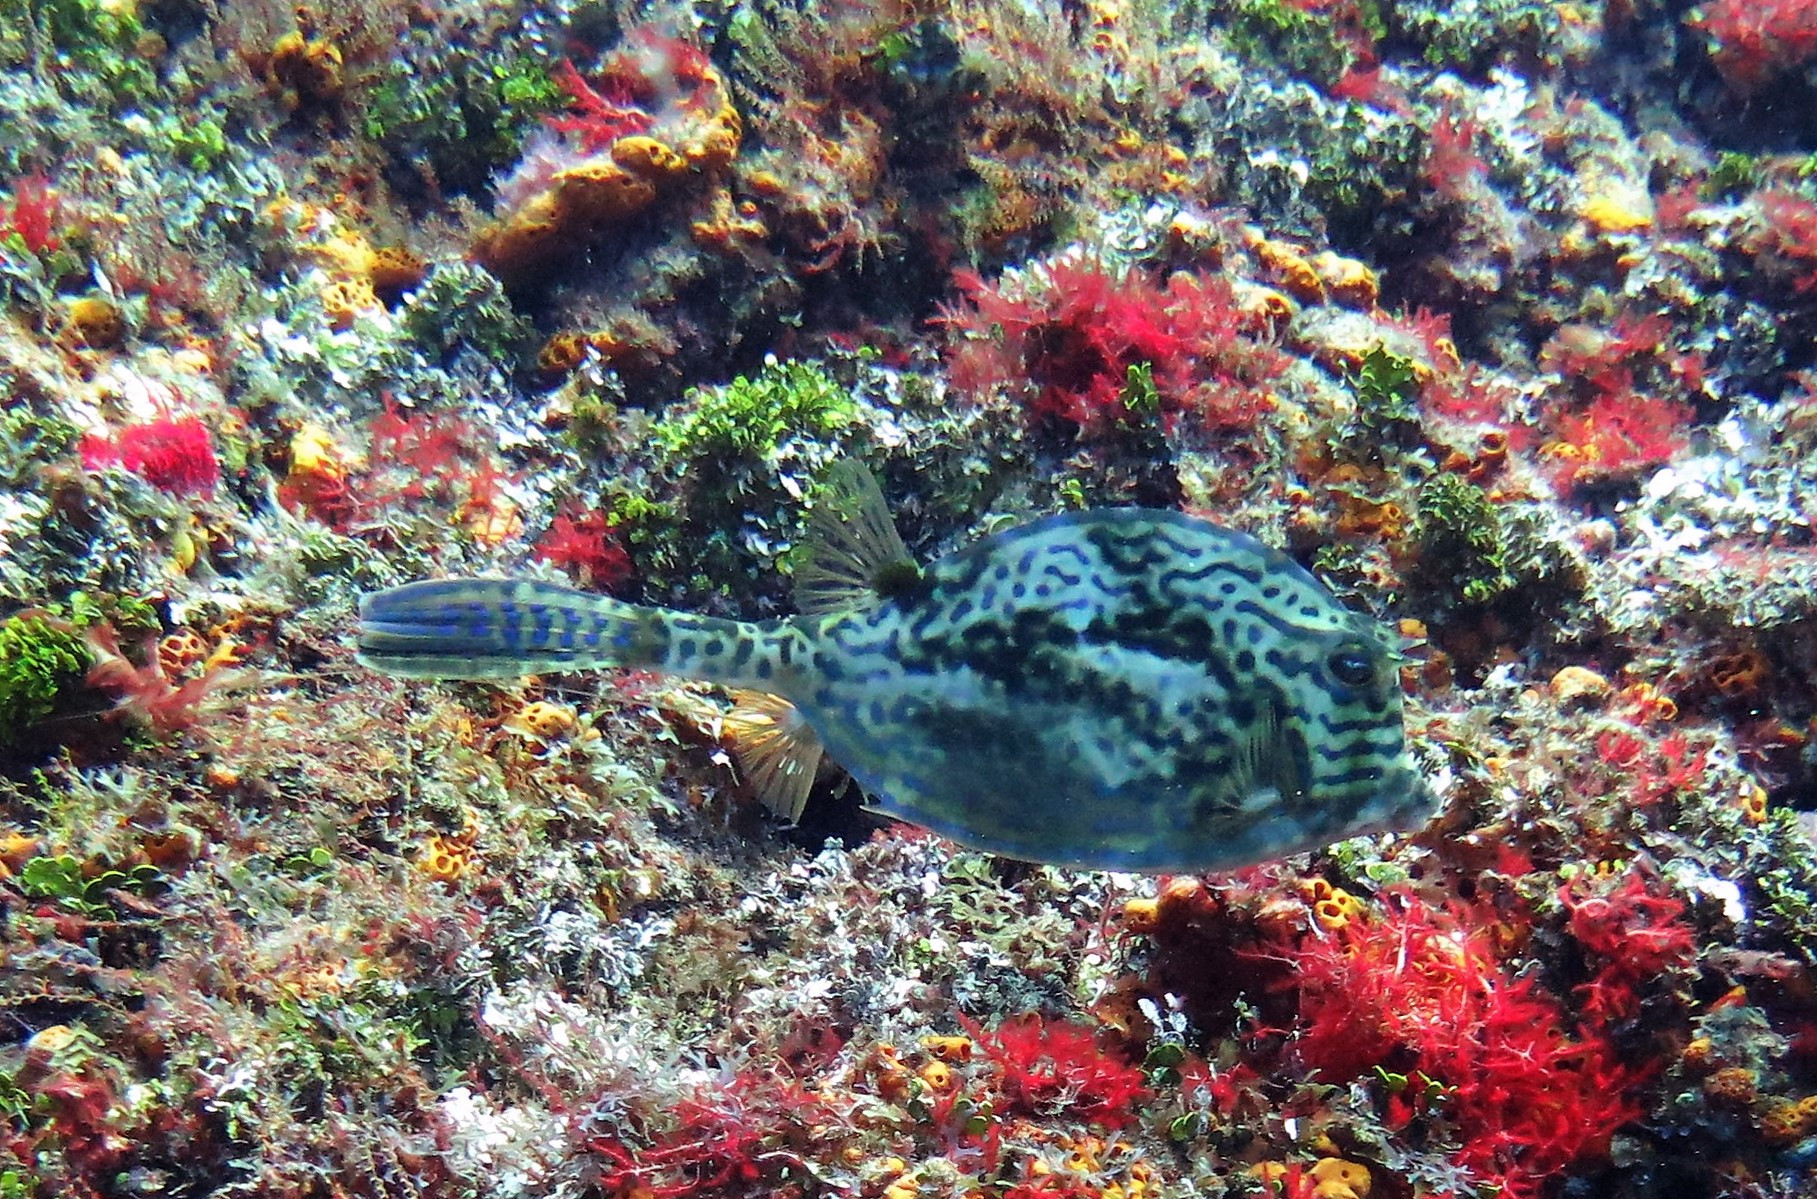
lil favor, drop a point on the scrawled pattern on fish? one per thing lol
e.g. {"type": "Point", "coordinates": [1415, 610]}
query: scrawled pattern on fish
{"type": "Point", "coordinates": [1127, 689]}
{"type": "Point", "coordinates": [1124, 687]}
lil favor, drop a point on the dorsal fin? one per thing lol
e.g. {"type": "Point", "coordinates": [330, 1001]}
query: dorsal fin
{"type": "Point", "coordinates": [777, 749]}
{"type": "Point", "coordinates": [854, 553]}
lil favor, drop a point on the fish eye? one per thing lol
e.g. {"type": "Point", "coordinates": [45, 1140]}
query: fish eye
{"type": "Point", "coordinates": [1351, 665]}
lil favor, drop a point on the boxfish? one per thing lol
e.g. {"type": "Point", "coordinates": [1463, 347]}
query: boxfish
{"type": "Point", "coordinates": [1123, 689]}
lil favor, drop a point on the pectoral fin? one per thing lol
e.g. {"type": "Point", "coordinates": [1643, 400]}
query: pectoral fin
{"type": "Point", "coordinates": [1263, 772]}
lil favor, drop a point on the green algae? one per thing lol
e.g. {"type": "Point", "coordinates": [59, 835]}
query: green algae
{"type": "Point", "coordinates": [41, 658]}
{"type": "Point", "coordinates": [1463, 546]}
{"type": "Point", "coordinates": [748, 418]}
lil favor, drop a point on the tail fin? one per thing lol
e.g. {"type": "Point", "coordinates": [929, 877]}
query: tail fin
{"type": "Point", "coordinates": [503, 628]}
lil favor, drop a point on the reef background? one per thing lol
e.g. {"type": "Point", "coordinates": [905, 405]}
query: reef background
{"type": "Point", "coordinates": [1501, 316]}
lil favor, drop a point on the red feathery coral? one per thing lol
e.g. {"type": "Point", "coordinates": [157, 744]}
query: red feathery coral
{"type": "Point", "coordinates": [588, 547]}
{"type": "Point", "coordinates": [1090, 344]}
{"type": "Point", "coordinates": [1632, 937]}
{"type": "Point", "coordinates": [1752, 41]}
{"type": "Point", "coordinates": [600, 115]}
{"type": "Point", "coordinates": [1049, 1066]}
{"type": "Point", "coordinates": [1421, 994]}
{"type": "Point", "coordinates": [1788, 231]}
{"type": "Point", "coordinates": [175, 454]}
{"type": "Point", "coordinates": [1617, 436]}
{"type": "Point", "coordinates": [734, 1139]}
{"type": "Point", "coordinates": [34, 214]}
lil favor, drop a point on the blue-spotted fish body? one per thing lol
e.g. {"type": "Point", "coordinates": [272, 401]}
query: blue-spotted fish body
{"type": "Point", "coordinates": [1123, 689]}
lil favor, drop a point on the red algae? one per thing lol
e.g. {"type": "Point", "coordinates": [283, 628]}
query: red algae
{"type": "Point", "coordinates": [174, 454]}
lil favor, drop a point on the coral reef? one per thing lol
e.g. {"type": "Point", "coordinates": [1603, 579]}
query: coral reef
{"type": "Point", "coordinates": [1498, 316]}
{"type": "Point", "coordinates": [657, 117]}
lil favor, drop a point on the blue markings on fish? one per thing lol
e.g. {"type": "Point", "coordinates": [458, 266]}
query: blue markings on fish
{"type": "Point", "coordinates": [1127, 689]}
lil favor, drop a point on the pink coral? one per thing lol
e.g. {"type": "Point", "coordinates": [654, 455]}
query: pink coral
{"type": "Point", "coordinates": [1452, 166]}
{"type": "Point", "coordinates": [547, 153]}
{"type": "Point", "coordinates": [147, 694]}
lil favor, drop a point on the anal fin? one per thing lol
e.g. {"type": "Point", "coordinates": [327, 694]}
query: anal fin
{"type": "Point", "coordinates": [777, 749]}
